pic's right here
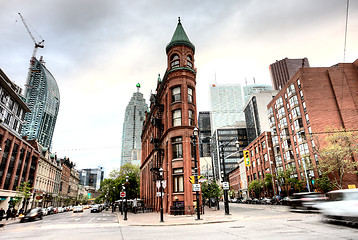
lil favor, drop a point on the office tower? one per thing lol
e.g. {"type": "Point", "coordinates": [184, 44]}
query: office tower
{"type": "Point", "coordinates": [205, 133]}
{"type": "Point", "coordinates": [250, 89]}
{"type": "Point", "coordinates": [281, 71]}
{"type": "Point", "coordinates": [43, 98]}
{"type": "Point", "coordinates": [168, 128]}
{"type": "Point", "coordinates": [91, 177]}
{"type": "Point", "coordinates": [226, 105]}
{"type": "Point", "coordinates": [132, 129]}
{"type": "Point", "coordinates": [313, 99]}
{"type": "Point", "coordinates": [256, 113]}
{"type": "Point", "coordinates": [227, 136]}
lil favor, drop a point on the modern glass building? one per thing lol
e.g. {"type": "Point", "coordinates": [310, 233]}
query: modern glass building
{"type": "Point", "coordinates": [250, 89]}
{"type": "Point", "coordinates": [43, 98]}
{"type": "Point", "coordinates": [132, 129]}
{"type": "Point", "coordinates": [91, 177]}
{"type": "Point", "coordinates": [227, 105]}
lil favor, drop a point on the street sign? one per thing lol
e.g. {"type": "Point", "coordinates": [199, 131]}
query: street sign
{"type": "Point", "coordinates": [202, 180]}
{"type": "Point", "coordinates": [158, 184]}
{"type": "Point", "coordinates": [158, 194]}
{"type": "Point", "coordinates": [192, 179]}
{"type": "Point", "coordinates": [164, 183]}
{"type": "Point", "coordinates": [226, 185]}
{"type": "Point", "coordinates": [123, 194]}
{"type": "Point", "coordinates": [196, 187]}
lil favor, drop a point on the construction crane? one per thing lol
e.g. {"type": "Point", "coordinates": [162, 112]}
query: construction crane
{"type": "Point", "coordinates": [37, 44]}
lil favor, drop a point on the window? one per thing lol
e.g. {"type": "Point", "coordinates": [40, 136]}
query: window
{"type": "Point", "coordinates": [176, 97]}
{"type": "Point", "coordinates": [190, 95]}
{"type": "Point", "coordinates": [307, 119]}
{"type": "Point", "coordinates": [177, 145]}
{"type": "Point", "coordinates": [189, 61]}
{"type": "Point", "coordinates": [177, 117]}
{"type": "Point", "coordinates": [191, 118]}
{"type": "Point", "coordinates": [299, 83]}
{"type": "Point", "coordinates": [304, 106]}
{"type": "Point", "coordinates": [263, 144]}
{"type": "Point", "coordinates": [178, 180]}
{"type": "Point", "coordinates": [174, 61]}
{"type": "Point", "coordinates": [265, 157]}
{"type": "Point", "coordinates": [301, 94]}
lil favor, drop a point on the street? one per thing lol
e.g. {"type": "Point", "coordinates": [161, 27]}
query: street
{"type": "Point", "coordinates": [254, 222]}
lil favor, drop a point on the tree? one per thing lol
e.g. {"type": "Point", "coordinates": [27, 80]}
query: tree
{"type": "Point", "coordinates": [324, 184]}
{"type": "Point", "coordinates": [112, 186]}
{"type": "Point", "coordinates": [336, 156]}
{"type": "Point", "coordinates": [24, 191]}
{"type": "Point", "coordinates": [285, 179]}
{"type": "Point", "coordinates": [211, 190]}
{"type": "Point", "coordinates": [256, 187]}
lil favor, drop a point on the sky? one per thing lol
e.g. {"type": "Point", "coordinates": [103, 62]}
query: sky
{"type": "Point", "coordinates": [99, 50]}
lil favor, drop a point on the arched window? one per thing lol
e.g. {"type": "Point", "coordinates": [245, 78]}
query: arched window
{"type": "Point", "coordinates": [174, 61]}
{"type": "Point", "coordinates": [189, 61]}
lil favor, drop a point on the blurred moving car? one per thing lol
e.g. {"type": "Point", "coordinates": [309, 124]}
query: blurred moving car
{"type": "Point", "coordinates": [340, 205]}
{"type": "Point", "coordinates": [95, 208]}
{"type": "Point", "coordinates": [77, 209]}
{"type": "Point", "coordinates": [306, 200]}
{"type": "Point", "coordinates": [32, 214]}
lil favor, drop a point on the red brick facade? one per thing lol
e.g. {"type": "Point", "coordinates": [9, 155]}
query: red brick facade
{"type": "Point", "coordinates": [261, 155]}
{"type": "Point", "coordinates": [313, 99]}
{"type": "Point", "coordinates": [167, 129]}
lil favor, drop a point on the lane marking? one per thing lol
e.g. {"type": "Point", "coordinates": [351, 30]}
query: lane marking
{"type": "Point", "coordinates": [91, 219]}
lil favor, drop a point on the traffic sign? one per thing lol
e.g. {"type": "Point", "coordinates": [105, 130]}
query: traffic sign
{"type": "Point", "coordinates": [123, 194]}
{"type": "Point", "coordinates": [226, 185]}
{"type": "Point", "coordinates": [164, 183]}
{"type": "Point", "coordinates": [158, 184]}
{"type": "Point", "coordinates": [196, 187]}
{"type": "Point", "coordinates": [158, 194]}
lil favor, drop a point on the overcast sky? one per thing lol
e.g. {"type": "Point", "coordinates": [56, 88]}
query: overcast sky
{"type": "Point", "coordinates": [98, 50]}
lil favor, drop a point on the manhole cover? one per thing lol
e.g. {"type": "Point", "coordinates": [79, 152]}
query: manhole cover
{"type": "Point", "coordinates": [238, 227]}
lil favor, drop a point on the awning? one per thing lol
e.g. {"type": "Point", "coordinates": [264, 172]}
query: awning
{"type": "Point", "coordinates": [2, 198]}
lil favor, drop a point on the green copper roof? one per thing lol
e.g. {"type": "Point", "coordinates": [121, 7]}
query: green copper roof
{"type": "Point", "coordinates": [180, 38]}
{"type": "Point", "coordinates": [138, 85]}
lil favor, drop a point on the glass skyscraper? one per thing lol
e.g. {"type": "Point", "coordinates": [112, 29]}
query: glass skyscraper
{"type": "Point", "coordinates": [250, 89]}
{"type": "Point", "coordinates": [132, 129]}
{"type": "Point", "coordinates": [43, 98]}
{"type": "Point", "coordinates": [227, 105]}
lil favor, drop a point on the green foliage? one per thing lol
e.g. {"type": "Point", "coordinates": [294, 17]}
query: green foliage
{"type": "Point", "coordinates": [23, 191]}
{"type": "Point", "coordinates": [268, 180]}
{"type": "Point", "coordinates": [211, 190]}
{"type": "Point", "coordinates": [324, 184]}
{"type": "Point", "coordinates": [336, 156]}
{"type": "Point", "coordinates": [256, 187]}
{"type": "Point", "coordinates": [112, 186]}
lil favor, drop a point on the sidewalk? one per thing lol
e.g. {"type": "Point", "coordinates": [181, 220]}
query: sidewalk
{"type": "Point", "coordinates": [212, 215]}
{"type": "Point", "coordinates": [5, 222]}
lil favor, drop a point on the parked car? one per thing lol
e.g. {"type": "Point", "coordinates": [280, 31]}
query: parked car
{"type": "Point", "coordinates": [50, 210]}
{"type": "Point", "coordinates": [246, 200]}
{"type": "Point", "coordinates": [95, 208]}
{"type": "Point", "coordinates": [32, 214]}
{"type": "Point", "coordinates": [60, 209]}
{"type": "Point", "coordinates": [44, 211]}
{"type": "Point", "coordinates": [266, 200]}
{"type": "Point", "coordinates": [256, 201]}
{"type": "Point", "coordinates": [340, 205]}
{"type": "Point", "coordinates": [306, 200]}
{"type": "Point", "coordinates": [77, 209]}
{"type": "Point", "coordinates": [276, 200]}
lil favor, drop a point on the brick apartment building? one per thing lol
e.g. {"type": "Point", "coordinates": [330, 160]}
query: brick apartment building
{"type": "Point", "coordinates": [167, 129]}
{"type": "Point", "coordinates": [312, 100]}
{"type": "Point", "coordinates": [261, 162]}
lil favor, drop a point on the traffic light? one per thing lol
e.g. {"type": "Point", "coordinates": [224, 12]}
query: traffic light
{"type": "Point", "coordinates": [247, 158]}
{"type": "Point", "coordinates": [192, 179]}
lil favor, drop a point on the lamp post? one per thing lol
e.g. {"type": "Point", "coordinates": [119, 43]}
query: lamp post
{"type": "Point", "coordinates": [194, 140]}
{"type": "Point", "coordinates": [125, 209]}
{"type": "Point", "coordinates": [225, 178]}
{"type": "Point", "coordinates": [114, 189]}
{"type": "Point", "coordinates": [161, 194]}
{"type": "Point", "coordinates": [122, 203]}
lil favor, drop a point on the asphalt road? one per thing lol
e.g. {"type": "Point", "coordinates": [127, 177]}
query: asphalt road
{"type": "Point", "coordinates": [257, 222]}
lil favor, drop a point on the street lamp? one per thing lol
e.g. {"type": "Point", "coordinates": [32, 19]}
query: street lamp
{"type": "Point", "coordinates": [161, 194]}
{"type": "Point", "coordinates": [194, 139]}
{"type": "Point", "coordinates": [122, 203]}
{"type": "Point", "coordinates": [113, 208]}
{"type": "Point", "coordinates": [125, 209]}
{"type": "Point", "coordinates": [225, 177]}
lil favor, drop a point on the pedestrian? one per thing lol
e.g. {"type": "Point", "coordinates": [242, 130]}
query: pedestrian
{"type": "Point", "coordinates": [21, 211]}
{"type": "Point", "coordinates": [2, 212]}
{"type": "Point", "coordinates": [8, 213]}
{"type": "Point", "coordinates": [14, 212]}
